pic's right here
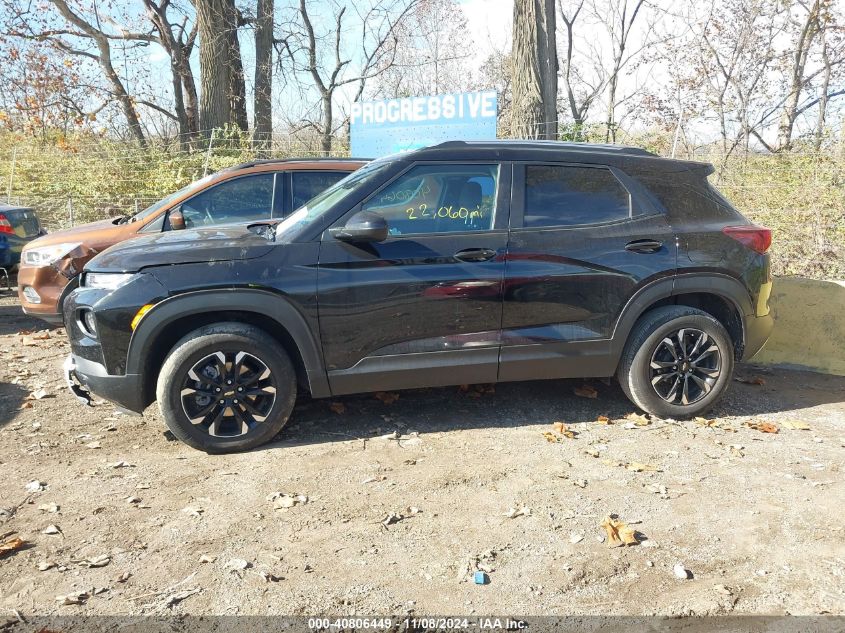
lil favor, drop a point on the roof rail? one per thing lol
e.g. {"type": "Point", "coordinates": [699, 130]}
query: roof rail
{"type": "Point", "coordinates": [564, 145]}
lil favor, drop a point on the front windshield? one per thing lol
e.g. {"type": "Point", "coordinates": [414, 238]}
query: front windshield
{"type": "Point", "coordinates": [288, 229]}
{"type": "Point", "coordinates": [151, 210]}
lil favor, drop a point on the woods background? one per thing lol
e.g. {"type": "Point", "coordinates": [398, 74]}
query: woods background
{"type": "Point", "coordinates": [107, 106]}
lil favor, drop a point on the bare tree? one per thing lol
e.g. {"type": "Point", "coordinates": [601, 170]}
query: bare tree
{"type": "Point", "coordinates": [580, 92]}
{"type": "Point", "coordinates": [307, 45]}
{"type": "Point", "coordinates": [534, 107]}
{"type": "Point", "coordinates": [807, 32]}
{"type": "Point", "coordinates": [426, 60]}
{"type": "Point", "coordinates": [178, 42]}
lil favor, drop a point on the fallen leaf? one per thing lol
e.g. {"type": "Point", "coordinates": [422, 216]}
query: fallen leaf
{"type": "Point", "coordinates": [796, 425]}
{"type": "Point", "coordinates": [637, 419]}
{"type": "Point", "coordinates": [754, 380]}
{"type": "Point", "coordinates": [550, 437]}
{"type": "Point", "coordinates": [586, 391]}
{"type": "Point", "coordinates": [338, 407]}
{"type": "Point", "coordinates": [387, 397]}
{"type": "Point", "coordinates": [73, 598]}
{"type": "Point", "coordinates": [283, 501]}
{"type": "Point", "coordinates": [561, 428]}
{"type": "Point", "coordinates": [513, 512]}
{"type": "Point", "coordinates": [11, 545]}
{"type": "Point", "coordinates": [603, 419]}
{"type": "Point", "coordinates": [49, 507]}
{"type": "Point", "coordinates": [618, 533]}
{"type": "Point", "coordinates": [96, 561]}
{"type": "Point", "coordinates": [764, 427]}
{"type": "Point", "coordinates": [638, 467]}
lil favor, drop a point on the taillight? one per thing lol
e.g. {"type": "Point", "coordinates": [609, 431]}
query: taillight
{"type": "Point", "coordinates": [5, 225]}
{"type": "Point", "coordinates": [757, 238]}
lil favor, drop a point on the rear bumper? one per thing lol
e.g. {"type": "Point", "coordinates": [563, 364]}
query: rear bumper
{"type": "Point", "coordinates": [757, 332]}
{"type": "Point", "coordinates": [92, 378]}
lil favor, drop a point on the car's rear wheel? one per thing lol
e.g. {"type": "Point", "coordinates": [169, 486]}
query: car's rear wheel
{"type": "Point", "coordinates": [677, 363]}
{"type": "Point", "coordinates": [226, 387]}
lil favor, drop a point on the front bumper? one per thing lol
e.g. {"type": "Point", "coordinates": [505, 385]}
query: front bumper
{"type": "Point", "coordinates": [85, 377]}
{"type": "Point", "coordinates": [50, 285]}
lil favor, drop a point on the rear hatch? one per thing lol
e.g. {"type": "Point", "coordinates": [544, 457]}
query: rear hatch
{"type": "Point", "coordinates": [24, 222]}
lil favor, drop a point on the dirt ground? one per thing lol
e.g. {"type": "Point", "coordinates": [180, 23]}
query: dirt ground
{"type": "Point", "coordinates": [142, 524]}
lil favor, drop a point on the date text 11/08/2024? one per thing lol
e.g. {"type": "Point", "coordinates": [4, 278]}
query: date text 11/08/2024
{"type": "Point", "coordinates": [416, 624]}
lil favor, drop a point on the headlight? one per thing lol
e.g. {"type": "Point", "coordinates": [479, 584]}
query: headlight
{"type": "Point", "coordinates": [46, 255]}
{"type": "Point", "coordinates": [109, 281]}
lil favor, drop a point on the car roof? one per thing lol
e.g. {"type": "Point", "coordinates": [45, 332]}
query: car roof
{"type": "Point", "coordinates": [525, 150]}
{"type": "Point", "coordinates": [8, 207]}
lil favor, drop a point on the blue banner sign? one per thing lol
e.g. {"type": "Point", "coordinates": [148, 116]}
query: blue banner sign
{"type": "Point", "coordinates": [379, 128]}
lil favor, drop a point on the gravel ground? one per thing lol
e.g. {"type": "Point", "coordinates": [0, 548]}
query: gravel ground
{"type": "Point", "coordinates": [366, 506]}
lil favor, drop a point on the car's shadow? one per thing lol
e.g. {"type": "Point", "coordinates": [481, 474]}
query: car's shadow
{"type": "Point", "coordinates": [512, 405]}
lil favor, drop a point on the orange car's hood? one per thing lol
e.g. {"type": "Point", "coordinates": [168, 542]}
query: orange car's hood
{"type": "Point", "coordinates": [93, 234]}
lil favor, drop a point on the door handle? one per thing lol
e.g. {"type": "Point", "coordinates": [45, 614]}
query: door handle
{"type": "Point", "coordinates": [475, 254]}
{"type": "Point", "coordinates": [644, 246]}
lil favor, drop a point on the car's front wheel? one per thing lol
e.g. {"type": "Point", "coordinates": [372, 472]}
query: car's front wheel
{"type": "Point", "coordinates": [226, 387]}
{"type": "Point", "coordinates": [677, 363]}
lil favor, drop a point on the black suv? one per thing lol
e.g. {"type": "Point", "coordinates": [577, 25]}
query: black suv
{"type": "Point", "coordinates": [459, 263]}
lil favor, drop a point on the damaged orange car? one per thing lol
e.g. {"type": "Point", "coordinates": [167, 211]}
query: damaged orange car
{"type": "Point", "coordinates": [258, 190]}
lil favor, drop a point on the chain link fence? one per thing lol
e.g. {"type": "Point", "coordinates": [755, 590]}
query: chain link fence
{"type": "Point", "coordinates": [801, 196]}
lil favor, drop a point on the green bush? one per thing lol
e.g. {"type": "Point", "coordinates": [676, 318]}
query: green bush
{"type": "Point", "coordinates": [800, 196]}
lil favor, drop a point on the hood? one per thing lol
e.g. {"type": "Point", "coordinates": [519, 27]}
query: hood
{"type": "Point", "coordinates": [91, 233]}
{"type": "Point", "coordinates": [181, 247]}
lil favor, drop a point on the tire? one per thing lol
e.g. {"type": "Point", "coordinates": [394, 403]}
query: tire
{"type": "Point", "coordinates": [200, 365]}
{"type": "Point", "coordinates": [648, 357]}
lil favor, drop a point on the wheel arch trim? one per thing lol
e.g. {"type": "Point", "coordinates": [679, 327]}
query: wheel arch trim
{"type": "Point", "coordinates": [261, 302]}
{"type": "Point", "coordinates": [723, 286]}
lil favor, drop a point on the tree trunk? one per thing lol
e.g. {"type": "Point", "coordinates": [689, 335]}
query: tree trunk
{"type": "Point", "coordinates": [527, 109]}
{"type": "Point", "coordinates": [222, 90]}
{"type": "Point", "coordinates": [797, 81]}
{"type": "Point", "coordinates": [328, 121]}
{"type": "Point", "coordinates": [549, 67]}
{"type": "Point", "coordinates": [262, 105]}
{"type": "Point", "coordinates": [214, 106]}
{"type": "Point", "coordinates": [821, 122]}
{"type": "Point", "coordinates": [237, 86]}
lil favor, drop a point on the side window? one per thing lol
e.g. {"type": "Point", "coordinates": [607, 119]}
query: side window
{"type": "Point", "coordinates": [557, 195]}
{"type": "Point", "coordinates": [237, 200]}
{"type": "Point", "coordinates": [439, 199]}
{"type": "Point", "coordinates": [307, 184]}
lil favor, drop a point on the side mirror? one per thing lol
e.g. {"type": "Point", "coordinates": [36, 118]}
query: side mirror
{"type": "Point", "coordinates": [364, 226]}
{"type": "Point", "coordinates": [177, 220]}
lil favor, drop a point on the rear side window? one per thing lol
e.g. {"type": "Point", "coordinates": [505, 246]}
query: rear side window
{"type": "Point", "coordinates": [307, 184]}
{"type": "Point", "coordinates": [689, 199]}
{"type": "Point", "coordinates": [445, 198]}
{"type": "Point", "coordinates": [558, 195]}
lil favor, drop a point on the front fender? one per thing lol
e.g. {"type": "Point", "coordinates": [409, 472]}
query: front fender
{"type": "Point", "coordinates": [261, 302]}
